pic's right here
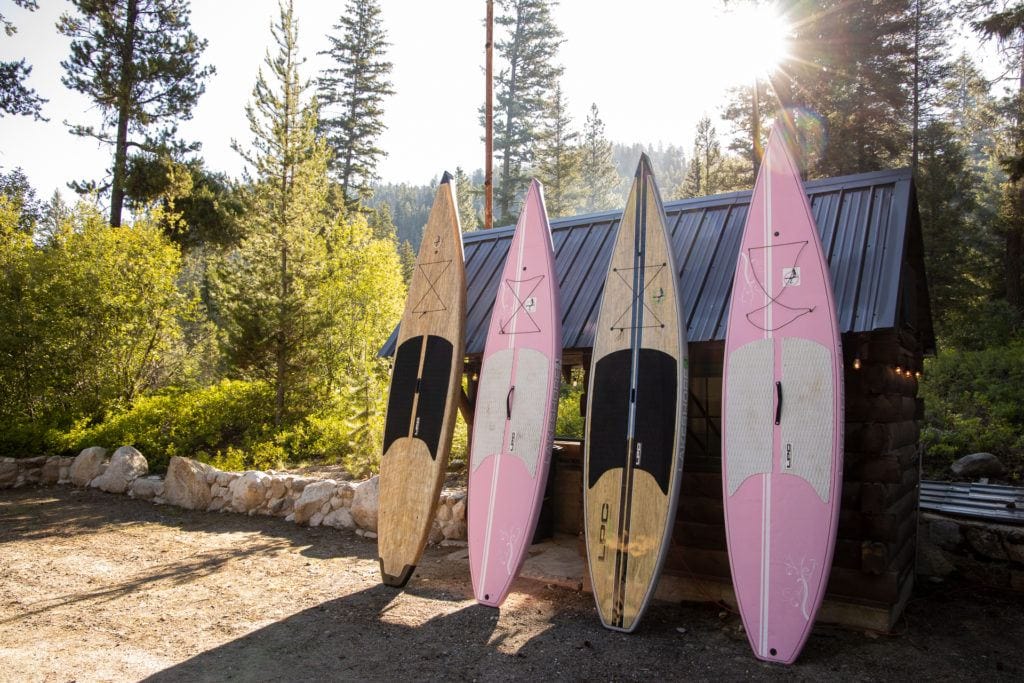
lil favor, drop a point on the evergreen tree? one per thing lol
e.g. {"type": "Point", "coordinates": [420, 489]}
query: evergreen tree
{"type": "Point", "coordinates": [851, 64]}
{"type": "Point", "coordinates": [351, 94]}
{"type": "Point", "coordinates": [21, 197]}
{"type": "Point", "coordinates": [1007, 25]}
{"type": "Point", "coordinates": [267, 288]}
{"type": "Point", "coordinates": [704, 173]}
{"type": "Point", "coordinates": [522, 90]}
{"type": "Point", "coordinates": [600, 180]}
{"type": "Point", "coordinates": [138, 61]}
{"type": "Point", "coordinates": [464, 192]}
{"type": "Point", "coordinates": [15, 96]}
{"type": "Point", "coordinates": [739, 111]}
{"type": "Point", "coordinates": [558, 160]}
{"type": "Point", "coordinates": [930, 66]}
{"type": "Point", "coordinates": [407, 260]}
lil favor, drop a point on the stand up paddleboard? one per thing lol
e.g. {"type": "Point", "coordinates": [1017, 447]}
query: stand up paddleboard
{"type": "Point", "coordinates": [425, 385]}
{"type": "Point", "coordinates": [516, 403]}
{"type": "Point", "coordinates": [636, 412]}
{"type": "Point", "coordinates": [783, 414]}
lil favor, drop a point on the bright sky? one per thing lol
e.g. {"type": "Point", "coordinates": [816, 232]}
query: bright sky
{"type": "Point", "coordinates": [652, 70]}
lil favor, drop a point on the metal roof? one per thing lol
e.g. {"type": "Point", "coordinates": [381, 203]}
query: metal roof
{"type": "Point", "coordinates": [868, 223]}
{"type": "Point", "coordinates": [991, 502]}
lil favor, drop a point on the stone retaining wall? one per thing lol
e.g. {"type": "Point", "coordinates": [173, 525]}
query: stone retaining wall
{"type": "Point", "coordinates": [196, 486]}
{"type": "Point", "coordinates": [984, 552]}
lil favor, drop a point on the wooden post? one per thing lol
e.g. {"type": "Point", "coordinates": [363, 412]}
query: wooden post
{"type": "Point", "coordinates": [489, 122]}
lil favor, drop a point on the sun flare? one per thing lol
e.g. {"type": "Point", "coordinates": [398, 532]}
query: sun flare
{"type": "Point", "coordinates": [760, 41]}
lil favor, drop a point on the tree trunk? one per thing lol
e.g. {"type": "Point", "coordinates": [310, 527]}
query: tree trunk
{"type": "Point", "coordinates": [915, 137]}
{"type": "Point", "coordinates": [124, 97]}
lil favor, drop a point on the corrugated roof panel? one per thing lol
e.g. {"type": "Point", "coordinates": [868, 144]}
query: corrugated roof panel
{"type": "Point", "coordinates": [580, 316]}
{"type": "Point", "coordinates": [863, 230]}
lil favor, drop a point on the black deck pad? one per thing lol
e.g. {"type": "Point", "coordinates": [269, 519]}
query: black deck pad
{"type": "Point", "coordinates": [437, 367]}
{"type": "Point", "coordinates": [655, 414]}
{"type": "Point", "coordinates": [403, 390]}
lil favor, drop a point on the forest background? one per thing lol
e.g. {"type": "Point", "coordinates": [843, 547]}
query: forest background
{"type": "Point", "coordinates": [166, 304]}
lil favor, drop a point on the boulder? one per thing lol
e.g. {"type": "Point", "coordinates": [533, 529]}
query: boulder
{"type": "Point", "coordinates": [978, 465]}
{"type": "Point", "coordinates": [8, 471]}
{"type": "Point", "coordinates": [185, 485]}
{"type": "Point", "coordinates": [50, 474]}
{"type": "Point", "coordinates": [87, 465]}
{"type": "Point", "coordinates": [126, 465]}
{"type": "Point", "coordinates": [146, 488]}
{"type": "Point", "coordinates": [312, 499]}
{"type": "Point", "coordinates": [248, 490]}
{"type": "Point", "coordinates": [365, 502]}
{"type": "Point", "coordinates": [340, 519]}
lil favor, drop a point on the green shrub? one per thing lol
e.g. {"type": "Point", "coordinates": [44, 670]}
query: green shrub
{"type": "Point", "coordinates": [570, 423]}
{"type": "Point", "coordinates": [974, 401]}
{"type": "Point", "coordinates": [190, 423]}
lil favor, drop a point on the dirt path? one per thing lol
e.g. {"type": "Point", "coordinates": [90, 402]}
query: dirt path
{"type": "Point", "coordinates": [102, 587]}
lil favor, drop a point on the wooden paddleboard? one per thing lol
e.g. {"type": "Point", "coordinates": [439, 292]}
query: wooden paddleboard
{"type": "Point", "coordinates": [636, 412]}
{"type": "Point", "coordinates": [425, 385]}
{"type": "Point", "coordinates": [782, 419]}
{"type": "Point", "coordinates": [516, 404]}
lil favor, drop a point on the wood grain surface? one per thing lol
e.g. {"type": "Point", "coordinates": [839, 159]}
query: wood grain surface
{"type": "Point", "coordinates": [410, 479]}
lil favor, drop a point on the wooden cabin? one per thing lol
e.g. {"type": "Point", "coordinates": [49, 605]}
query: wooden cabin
{"type": "Point", "coordinates": [871, 233]}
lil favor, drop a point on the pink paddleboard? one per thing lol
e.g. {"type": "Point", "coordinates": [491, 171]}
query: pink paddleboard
{"type": "Point", "coordinates": [517, 398]}
{"type": "Point", "coordinates": [782, 420]}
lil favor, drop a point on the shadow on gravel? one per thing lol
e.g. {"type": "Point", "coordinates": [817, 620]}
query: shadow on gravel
{"type": "Point", "coordinates": [55, 512]}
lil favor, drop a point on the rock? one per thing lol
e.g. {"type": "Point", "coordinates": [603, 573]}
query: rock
{"type": "Point", "coordinates": [325, 508]}
{"type": "Point", "coordinates": [275, 506]}
{"type": "Point", "coordinates": [944, 533]}
{"type": "Point", "coordinates": [340, 519]}
{"type": "Point", "coordinates": [185, 485]}
{"type": "Point", "coordinates": [290, 518]}
{"type": "Point", "coordinates": [211, 476]}
{"type": "Point", "coordinates": [459, 509]}
{"type": "Point", "coordinates": [248, 490]}
{"type": "Point", "coordinates": [365, 502]}
{"type": "Point", "coordinates": [436, 534]}
{"type": "Point", "coordinates": [316, 519]}
{"type": "Point", "coordinates": [87, 465]}
{"type": "Point", "coordinates": [336, 502]}
{"type": "Point", "coordinates": [126, 465]}
{"type": "Point", "coordinates": [8, 471]}
{"type": "Point", "coordinates": [312, 499]}
{"type": "Point", "coordinates": [277, 488]}
{"type": "Point", "coordinates": [978, 465]}
{"type": "Point", "coordinates": [146, 488]}
{"type": "Point", "coordinates": [348, 491]}
{"type": "Point", "coordinates": [455, 529]}
{"type": "Point", "coordinates": [223, 479]}
{"type": "Point", "coordinates": [986, 541]}
{"type": "Point", "coordinates": [50, 473]}
{"type": "Point", "coordinates": [444, 513]}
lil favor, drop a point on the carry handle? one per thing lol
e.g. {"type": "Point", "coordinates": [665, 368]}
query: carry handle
{"type": "Point", "coordinates": [508, 402]}
{"type": "Point", "coordinates": [778, 402]}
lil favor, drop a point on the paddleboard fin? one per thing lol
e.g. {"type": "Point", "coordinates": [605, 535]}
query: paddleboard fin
{"type": "Point", "coordinates": [396, 581]}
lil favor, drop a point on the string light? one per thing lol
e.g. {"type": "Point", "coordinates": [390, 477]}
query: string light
{"type": "Point", "coordinates": [918, 374]}
{"type": "Point", "coordinates": [856, 363]}
{"type": "Point", "coordinates": [899, 370]}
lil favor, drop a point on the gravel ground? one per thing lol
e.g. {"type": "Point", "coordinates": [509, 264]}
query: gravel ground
{"type": "Point", "coordinates": [102, 587]}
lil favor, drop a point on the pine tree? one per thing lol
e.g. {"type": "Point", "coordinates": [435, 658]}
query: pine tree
{"type": "Point", "coordinates": [600, 180]}
{"type": "Point", "coordinates": [558, 160]}
{"type": "Point", "coordinates": [703, 175]}
{"type": "Point", "coordinates": [464, 192]}
{"type": "Point", "coordinates": [1008, 25]}
{"type": "Point", "coordinates": [138, 61]}
{"type": "Point", "coordinates": [268, 288]}
{"type": "Point", "coordinates": [351, 94]}
{"type": "Point", "coordinates": [15, 96]}
{"type": "Point", "coordinates": [522, 90]}
{"type": "Point", "coordinates": [851, 64]}
{"type": "Point", "coordinates": [930, 66]}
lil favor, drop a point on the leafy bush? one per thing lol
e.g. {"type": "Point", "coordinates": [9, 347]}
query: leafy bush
{"type": "Point", "coordinates": [570, 423]}
{"type": "Point", "coordinates": [200, 423]}
{"type": "Point", "coordinates": [974, 401]}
